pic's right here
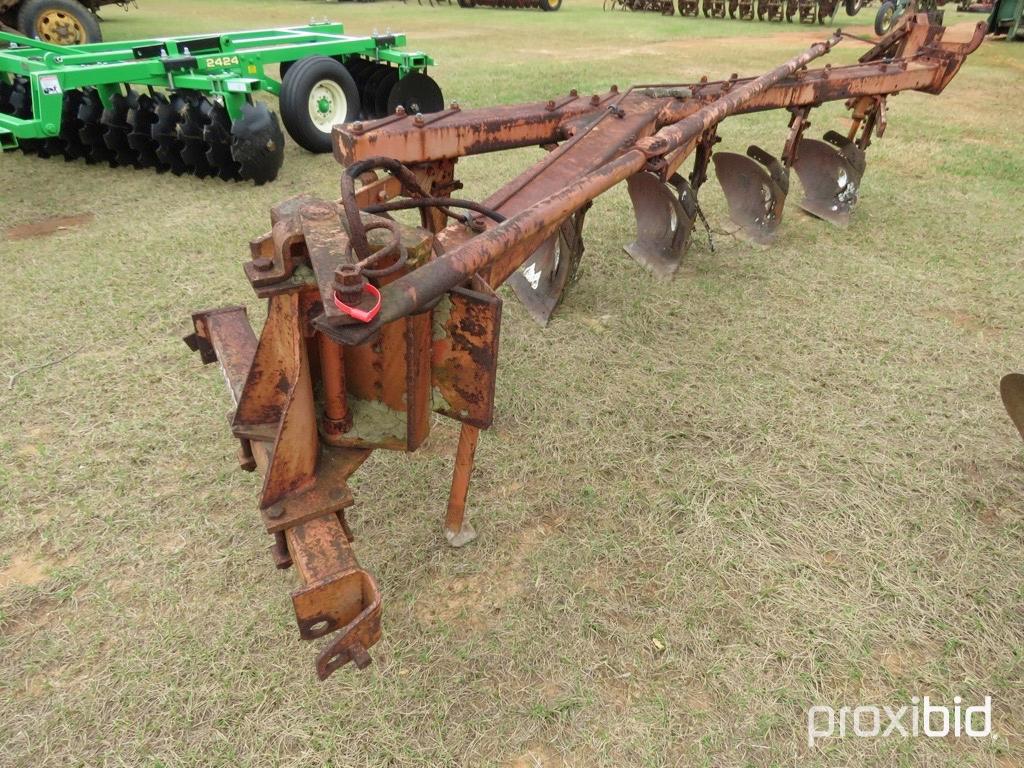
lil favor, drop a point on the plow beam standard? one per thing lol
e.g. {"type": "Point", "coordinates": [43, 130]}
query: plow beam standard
{"type": "Point", "coordinates": [373, 325]}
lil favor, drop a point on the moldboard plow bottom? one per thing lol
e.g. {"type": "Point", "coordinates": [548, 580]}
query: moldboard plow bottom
{"type": "Point", "coordinates": [1011, 388]}
{"type": "Point", "coordinates": [372, 325]}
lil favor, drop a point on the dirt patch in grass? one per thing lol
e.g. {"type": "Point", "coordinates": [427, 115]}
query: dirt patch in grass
{"type": "Point", "coordinates": [963, 320]}
{"type": "Point", "coordinates": [29, 570]}
{"type": "Point", "coordinates": [48, 226]}
{"type": "Point", "coordinates": [538, 756]}
{"type": "Point", "coordinates": [23, 570]}
{"type": "Point", "coordinates": [476, 601]}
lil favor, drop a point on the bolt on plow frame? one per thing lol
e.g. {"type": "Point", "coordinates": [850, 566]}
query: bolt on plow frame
{"type": "Point", "coordinates": [373, 325]}
{"type": "Point", "coordinates": [185, 104]}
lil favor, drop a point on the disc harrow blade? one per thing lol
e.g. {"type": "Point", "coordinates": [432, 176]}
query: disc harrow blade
{"type": "Point", "coordinates": [117, 128]}
{"type": "Point", "coordinates": [169, 115]}
{"type": "Point", "coordinates": [142, 117]}
{"type": "Point", "coordinates": [664, 221]}
{"type": "Point", "coordinates": [257, 144]}
{"type": "Point", "coordinates": [217, 138]}
{"type": "Point", "coordinates": [6, 89]}
{"type": "Point", "coordinates": [356, 66]}
{"type": "Point", "coordinates": [90, 131]}
{"type": "Point", "coordinates": [416, 93]}
{"type": "Point", "coordinates": [66, 143]}
{"type": "Point", "coordinates": [20, 105]}
{"type": "Point", "coordinates": [1011, 388]}
{"type": "Point", "coordinates": [755, 187]}
{"type": "Point", "coordinates": [830, 172]}
{"type": "Point", "coordinates": [198, 110]}
{"type": "Point", "coordinates": [19, 98]}
{"type": "Point", "coordinates": [71, 127]}
{"type": "Point", "coordinates": [383, 92]}
{"type": "Point", "coordinates": [368, 91]}
{"type": "Point", "coordinates": [52, 146]}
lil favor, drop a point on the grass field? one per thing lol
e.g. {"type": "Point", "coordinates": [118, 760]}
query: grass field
{"type": "Point", "coordinates": [783, 479]}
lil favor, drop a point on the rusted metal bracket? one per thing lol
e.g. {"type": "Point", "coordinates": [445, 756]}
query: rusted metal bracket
{"type": "Point", "coordinates": [868, 117]}
{"type": "Point", "coordinates": [798, 123]}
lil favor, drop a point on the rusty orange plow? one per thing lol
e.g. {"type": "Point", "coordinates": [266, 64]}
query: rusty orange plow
{"type": "Point", "coordinates": [373, 325]}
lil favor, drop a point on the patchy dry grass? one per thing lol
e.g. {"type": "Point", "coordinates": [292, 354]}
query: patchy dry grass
{"type": "Point", "coordinates": [784, 478]}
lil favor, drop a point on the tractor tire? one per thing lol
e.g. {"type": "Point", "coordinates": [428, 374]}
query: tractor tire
{"type": "Point", "coordinates": [317, 93]}
{"type": "Point", "coordinates": [853, 7]}
{"type": "Point", "coordinates": [64, 22]}
{"type": "Point", "coordinates": [550, 5]}
{"type": "Point", "coordinates": [885, 17]}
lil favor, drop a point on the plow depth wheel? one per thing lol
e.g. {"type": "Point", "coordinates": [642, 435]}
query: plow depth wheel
{"type": "Point", "coordinates": [317, 93]}
{"type": "Point", "coordinates": [64, 22]}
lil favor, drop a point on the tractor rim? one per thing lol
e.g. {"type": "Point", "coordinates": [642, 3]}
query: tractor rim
{"type": "Point", "coordinates": [56, 26]}
{"type": "Point", "coordinates": [327, 105]}
{"type": "Point", "coordinates": [887, 18]}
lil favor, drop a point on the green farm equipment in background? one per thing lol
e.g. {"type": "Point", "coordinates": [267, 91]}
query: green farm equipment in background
{"type": "Point", "coordinates": [1007, 18]}
{"type": "Point", "coordinates": [186, 104]}
{"type": "Point", "coordinates": [891, 10]}
{"type": "Point", "coordinates": [544, 5]}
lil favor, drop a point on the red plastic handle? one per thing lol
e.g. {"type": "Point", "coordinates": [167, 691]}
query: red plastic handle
{"type": "Point", "coordinates": [362, 315]}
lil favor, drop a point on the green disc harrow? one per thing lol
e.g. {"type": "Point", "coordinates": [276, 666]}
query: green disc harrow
{"type": "Point", "coordinates": [186, 104]}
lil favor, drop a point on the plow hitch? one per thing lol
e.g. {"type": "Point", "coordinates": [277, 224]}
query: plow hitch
{"type": "Point", "coordinates": [373, 324]}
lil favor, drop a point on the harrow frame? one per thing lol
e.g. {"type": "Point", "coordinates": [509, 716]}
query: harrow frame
{"type": "Point", "coordinates": [372, 325]}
